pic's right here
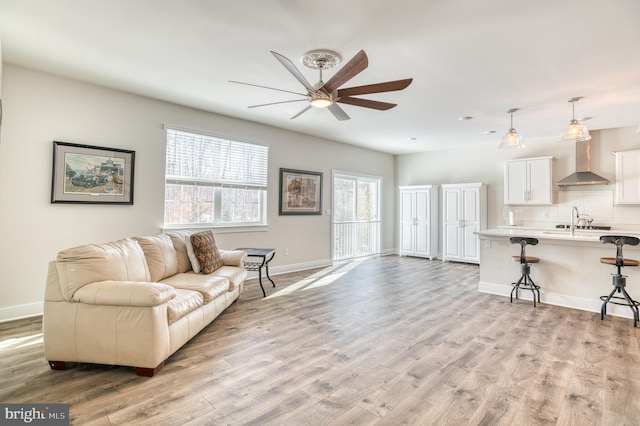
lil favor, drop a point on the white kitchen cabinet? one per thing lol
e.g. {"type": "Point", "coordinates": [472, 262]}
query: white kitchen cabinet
{"type": "Point", "coordinates": [464, 212]}
{"type": "Point", "coordinates": [419, 221]}
{"type": "Point", "coordinates": [628, 177]}
{"type": "Point", "coordinates": [528, 181]}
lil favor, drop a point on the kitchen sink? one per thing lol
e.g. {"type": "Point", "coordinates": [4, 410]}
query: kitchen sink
{"type": "Point", "coordinates": [578, 234]}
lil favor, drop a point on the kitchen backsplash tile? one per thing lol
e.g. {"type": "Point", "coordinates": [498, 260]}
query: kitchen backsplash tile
{"type": "Point", "coordinates": [599, 204]}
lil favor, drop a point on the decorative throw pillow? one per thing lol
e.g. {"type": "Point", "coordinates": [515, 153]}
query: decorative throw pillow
{"type": "Point", "coordinates": [206, 251]}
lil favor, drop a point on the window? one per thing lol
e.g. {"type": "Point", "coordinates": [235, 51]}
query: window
{"type": "Point", "coordinates": [212, 181]}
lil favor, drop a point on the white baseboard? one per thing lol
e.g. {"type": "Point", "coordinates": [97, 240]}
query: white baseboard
{"type": "Point", "coordinates": [12, 313]}
{"type": "Point", "coordinates": [589, 305]}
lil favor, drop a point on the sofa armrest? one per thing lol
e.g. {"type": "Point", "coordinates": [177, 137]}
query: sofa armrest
{"type": "Point", "coordinates": [233, 257]}
{"type": "Point", "coordinates": [124, 293]}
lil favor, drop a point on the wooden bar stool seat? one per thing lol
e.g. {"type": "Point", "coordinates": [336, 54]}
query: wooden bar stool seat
{"type": "Point", "coordinates": [619, 280]}
{"type": "Point", "coordinates": [525, 280]}
{"type": "Point", "coordinates": [613, 261]}
{"type": "Point", "coordinates": [527, 259]}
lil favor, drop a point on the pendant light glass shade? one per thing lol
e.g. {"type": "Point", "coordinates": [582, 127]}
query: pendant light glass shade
{"type": "Point", "coordinates": [575, 131]}
{"type": "Point", "coordinates": [512, 139]}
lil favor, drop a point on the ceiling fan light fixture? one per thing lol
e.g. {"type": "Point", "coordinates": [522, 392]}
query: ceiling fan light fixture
{"type": "Point", "coordinates": [330, 94]}
{"type": "Point", "coordinates": [575, 131]}
{"type": "Point", "coordinates": [320, 100]}
{"type": "Point", "coordinates": [512, 139]}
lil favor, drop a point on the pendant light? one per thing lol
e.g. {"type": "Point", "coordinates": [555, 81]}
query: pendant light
{"type": "Point", "coordinates": [512, 139]}
{"type": "Point", "coordinates": [575, 131]}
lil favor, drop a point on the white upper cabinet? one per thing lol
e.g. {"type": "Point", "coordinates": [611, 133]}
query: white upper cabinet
{"type": "Point", "coordinates": [628, 177]}
{"type": "Point", "coordinates": [528, 181]}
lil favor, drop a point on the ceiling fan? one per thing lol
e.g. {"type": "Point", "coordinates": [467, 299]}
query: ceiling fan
{"type": "Point", "coordinates": [328, 95]}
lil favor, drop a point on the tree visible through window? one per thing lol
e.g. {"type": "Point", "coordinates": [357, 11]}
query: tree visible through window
{"type": "Point", "coordinates": [212, 181]}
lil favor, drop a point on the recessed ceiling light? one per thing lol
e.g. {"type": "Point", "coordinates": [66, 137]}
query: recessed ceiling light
{"type": "Point", "coordinates": [489, 132]}
{"type": "Point", "coordinates": [584, 118]}
{"type": "Point", "coordinates": [465, 118]}
{"type": "Point", "coordinates": [412, 139]}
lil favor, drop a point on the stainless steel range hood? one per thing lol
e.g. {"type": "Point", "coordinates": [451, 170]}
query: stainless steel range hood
{"type": "Point", "coordinates": [583, 174]}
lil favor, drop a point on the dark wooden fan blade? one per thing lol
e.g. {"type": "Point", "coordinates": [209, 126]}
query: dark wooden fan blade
{"type": "Point", "coordinates": [276, 103]}
{"type": "Point", "coordinates": [366, 103]}
{"type": "Point", "coordinates": [352, 68]}
{"type": "Point", "coordinates": [293, 70]}
{"type": "Point", "coordinates": [338, 112]}
{"type": "Point", "coordinates": [389, 86]}
{"type": "Point", "coordinates": [301, 112]}
{"type": "Point", "coordinates": [267, 87]}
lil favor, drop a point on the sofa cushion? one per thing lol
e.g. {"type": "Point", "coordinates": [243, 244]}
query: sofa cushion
{"type": "Point", "coordinates": [234, 274]}
{"type": "Point", "coordinates": [210, 286]}
{"type": "Point", "coordinates": [186, 301]}
{"type": "Point", "coordinates": [124, 293]}
{"type": "Point", "coordinates": [121, 260]}
{"type": "Point", "coordinates": [206, 251]}
{"type": "Point", "coordinates": [233, 257]}
{"type": "Point", "coordinates": [161, 255]}
{"type": "Point", "coordinates": [179, 240]}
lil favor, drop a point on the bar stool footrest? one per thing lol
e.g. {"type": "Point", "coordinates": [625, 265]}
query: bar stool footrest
{"type": "Point", "coordinates": [525, 283]}
{"type": "Point", "coordinates": [625, 303]}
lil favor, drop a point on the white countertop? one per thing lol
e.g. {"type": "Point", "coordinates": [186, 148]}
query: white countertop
{"type": "Point", "coordinates": [580, 235]}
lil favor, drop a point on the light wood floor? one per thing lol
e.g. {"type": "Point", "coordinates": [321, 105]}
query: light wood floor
{"type": "Point", "coordinates": [384, 341]}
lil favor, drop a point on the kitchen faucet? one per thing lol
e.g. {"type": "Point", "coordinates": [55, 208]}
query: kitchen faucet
{"type": "Point", "coordinates": [577, 215]}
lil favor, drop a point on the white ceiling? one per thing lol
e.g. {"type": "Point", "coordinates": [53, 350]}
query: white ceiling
{"type": "Point", "coordinates": [467, 58]}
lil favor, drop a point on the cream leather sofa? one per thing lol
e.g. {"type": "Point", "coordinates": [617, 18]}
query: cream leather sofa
{"type": "Point", "coordinates": [133, 302]}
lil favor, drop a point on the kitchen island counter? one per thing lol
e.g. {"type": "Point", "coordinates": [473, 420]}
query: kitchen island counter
{"type": "Point", "coordinates": [579, 235]}
{"type": "Point", "coordinates": [569, 273]}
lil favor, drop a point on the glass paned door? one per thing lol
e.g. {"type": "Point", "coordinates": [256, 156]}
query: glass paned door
{"type": "Point", "coordinates": [356, 216]}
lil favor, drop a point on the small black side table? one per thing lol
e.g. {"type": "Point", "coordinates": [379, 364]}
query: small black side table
{"type": "Point", "coordinates": [267, 256]}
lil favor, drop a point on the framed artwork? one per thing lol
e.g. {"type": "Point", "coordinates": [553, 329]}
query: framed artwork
{"type": "Point", "coordinates": [91, 174]}
{"type": "Point", "coordinates": [300, 192]}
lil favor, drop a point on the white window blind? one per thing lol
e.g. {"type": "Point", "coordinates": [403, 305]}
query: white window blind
{"type": "Point", "coordinates": [214, 181]}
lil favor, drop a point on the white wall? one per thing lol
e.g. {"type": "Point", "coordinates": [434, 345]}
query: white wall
{"type": "Point", "coordinates": [485, 163]}
{"type": "Point", "coordinates": [40, 108]}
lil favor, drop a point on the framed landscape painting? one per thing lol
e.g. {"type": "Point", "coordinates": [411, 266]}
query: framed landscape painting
{"type": "Point", "coordinates": [300, 192]}
{"type": "Point", "coordinates": [91, 174]}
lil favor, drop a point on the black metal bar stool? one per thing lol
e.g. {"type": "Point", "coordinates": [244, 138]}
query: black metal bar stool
{"type": "Point", "coordinates": [525, 280]}
{"type": "Point", "coordinates": [619, 280]}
